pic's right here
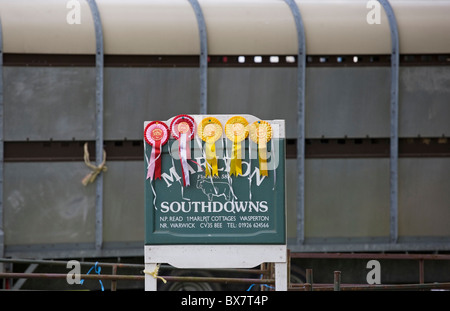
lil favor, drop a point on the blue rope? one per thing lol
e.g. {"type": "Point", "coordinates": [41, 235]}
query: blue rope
{"type": "Point", "coordinates": [265, 285]}
{"type": "Point", "coordinates": [97, 270]}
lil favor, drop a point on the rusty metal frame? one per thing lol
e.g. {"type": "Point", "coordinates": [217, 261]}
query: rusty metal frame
{"type": "Point", "coordinates": [117, 277]}
{"type": "Point", "coordinates": [114, 277]}
{"type": "Point", "coordinates": [338, 286]}
{"type": "Point", "coordinates": [421, 258]}
{"type": "Point", "coordinates": [266, 270]}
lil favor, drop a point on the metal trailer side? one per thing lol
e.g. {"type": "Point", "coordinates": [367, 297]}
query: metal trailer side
{"type": "Point", "coordinates": [60, 90]}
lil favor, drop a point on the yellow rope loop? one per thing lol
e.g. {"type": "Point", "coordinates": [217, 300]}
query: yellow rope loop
{"type": "Point", "coordinates": [154, 274]}
{"type": "Point", "coordinates": [90, 178]}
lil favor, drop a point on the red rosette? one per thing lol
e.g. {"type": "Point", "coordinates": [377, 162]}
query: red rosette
{"type": "Point", "coordinates": [156, 134]}
{"type": "Point", "coordinates": [183, 129]}
{"type": "Point", "coordinates": [156, 131]}
{"type": "Point", "coordinates": [183, 124]}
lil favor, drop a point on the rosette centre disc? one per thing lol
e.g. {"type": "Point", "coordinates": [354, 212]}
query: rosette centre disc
{"type": "Point", "coordinates": [183, 127]}
{"type": "Point", "coordinates": [236, 129]}
{"type": "Point", "coordinates": [210, 130]}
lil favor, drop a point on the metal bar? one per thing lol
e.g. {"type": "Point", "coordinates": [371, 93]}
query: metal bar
{"type": "Point", "coordinates": [365, 287]}
{"type": "Point", "coordinates": [203, 56]}
{"type": "Point", "coordinates": [309, 278]}
{"type": "Point", "coordinates": [20, 282]}
{"type": "Point", "coordinates": [306, 287]}
{"type": "Point", "coordinates": [301, 65]}
{"type": "Point", "coordinates": [421, 271]}
{"type": "Point", "coordinates": [64, 263]}
{"type": "Point", "coordinates": [337, 280]}
{"type": "Point", "coordinates": [132, 150]}
{"type": "Point", "coordinates": [370, 256]}
{"type": "Point", "coordinates": [398, 286]}
{"type": "Point", "coordinates": [99, 122]}
{"type": "Point", "coordinates": [114, 283]}
{"type": "Point", "coordinates": [393, 121]}
{"type": "Point", "coordinates": [118, 277]}
{"type": "Point", "coordinates": [123, 265]}
{"type": "Point", "coordinates": [14, 275]}
{"type": "Point", "coordinates": [2, 234]}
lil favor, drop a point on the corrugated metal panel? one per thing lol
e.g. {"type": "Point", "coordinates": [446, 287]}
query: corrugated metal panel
{"type": "Point", "coordinates": [267, 93]}
{"type": "Point", "coordinates": [134, 95]}
{"type": "Point", "coordinates": [424, 199]}
{"type": "Point", "coordinates": [346, 198]}
{"type": "Point", "coordinates": [347, 204]}
{"type": "Point", "coordinates": [424, 101]}
{"type": "Point", "coordinates": [43, 103]}
{"type": "Point", "coordinates": [352, 102]}
{"type": "Point", "coordinates": [47, 204]}
{"type": "Point", "coordinates": [124, 202]}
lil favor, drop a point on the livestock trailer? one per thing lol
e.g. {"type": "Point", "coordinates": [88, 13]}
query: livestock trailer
{"type": "Point", "coordinates": [363, 87]}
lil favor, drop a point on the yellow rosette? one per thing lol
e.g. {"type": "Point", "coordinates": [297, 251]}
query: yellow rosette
{"type": "Point", "coordinates": [236, 130]}
{"type": "Point", "coordinates": [210, 130]}
{"type": "Point", "coordinates": [261, 134]}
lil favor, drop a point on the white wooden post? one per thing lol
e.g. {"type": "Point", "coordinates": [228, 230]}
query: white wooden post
{"type": "Point", "coordinates": [281, 276]}
{"type": "Point", "coordinates": [150, 281]}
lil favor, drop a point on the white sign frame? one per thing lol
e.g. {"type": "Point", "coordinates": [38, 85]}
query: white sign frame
{"type": "Point", "coordinates": [225, 256]}
{"type": "Point", "coordinates": [216, 256]}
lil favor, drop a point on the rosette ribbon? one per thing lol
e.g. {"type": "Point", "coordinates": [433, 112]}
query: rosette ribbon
{"type": "Point", "coordinates": [211, 158]}
{"type": "Point", "coordinates": [156, 134]}
{"type": "Point", "coordinates": [236, 162]}
{"type": "Point", "coordinates": [210, 130]}
{"type": "Point", "coordinates": [261, 134]}
{"type": "Point", "coordinates": [183, 130]}
{"type": "Point", "coordinates": [236, 129]}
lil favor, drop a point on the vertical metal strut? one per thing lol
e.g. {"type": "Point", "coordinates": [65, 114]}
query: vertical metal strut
{"type": "Point", "coordinates": [2, 235]}
{"type": "Point", "coordinates": [393, 172]}
{"type": "Point", "coordinates": [301, 66]}
{"type": "Point", "coordinates": [99, 122]}
{"type": "Point", "coordinates": [203, 56]}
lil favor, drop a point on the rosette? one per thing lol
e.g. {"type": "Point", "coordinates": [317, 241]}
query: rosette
{"type": "Point", "coordinates": [261, 134]}
{"type": "Point", "coordinates": [210, 130]}
{"type": "Point", "coordinates": [183, 130]}
{"type": "Point", "coordinates": [236, 130]}
{"type": "Point", "coordinates": [156, 134]}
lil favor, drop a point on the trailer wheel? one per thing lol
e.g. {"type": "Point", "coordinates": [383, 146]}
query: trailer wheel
{"type": "Point", "coordinates": [297, 275]}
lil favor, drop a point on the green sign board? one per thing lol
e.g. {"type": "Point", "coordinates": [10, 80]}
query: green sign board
{"type": "Point", "coordinates": [214, 195]}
